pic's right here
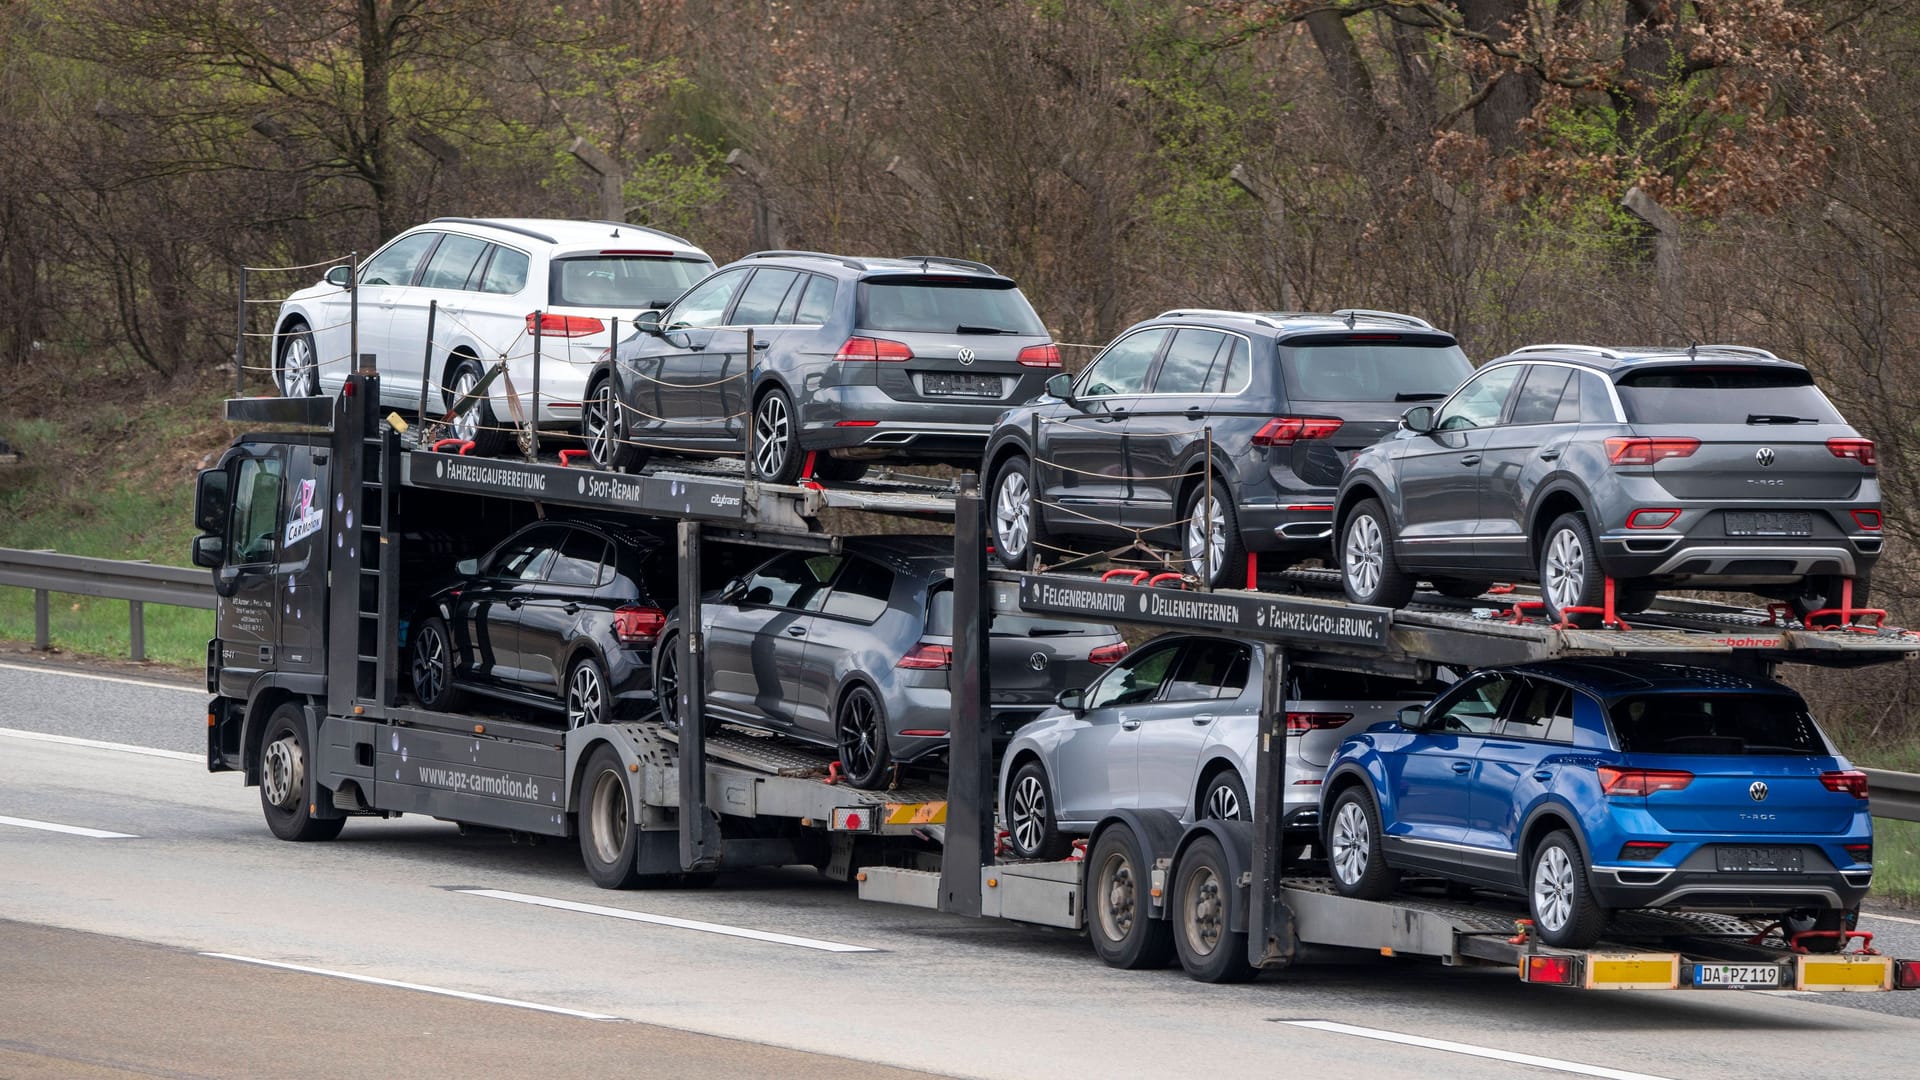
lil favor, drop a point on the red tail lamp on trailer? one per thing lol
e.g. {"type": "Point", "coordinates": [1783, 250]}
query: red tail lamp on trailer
{"type": "Point", "coordinates": [1552, 970]}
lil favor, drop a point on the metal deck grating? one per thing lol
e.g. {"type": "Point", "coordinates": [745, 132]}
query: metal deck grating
{"type": "Point", "coordinates": [777, 756]}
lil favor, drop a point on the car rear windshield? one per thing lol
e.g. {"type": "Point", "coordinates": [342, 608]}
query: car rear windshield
{"type": "Point", "coordinates": [1715, 724]}
{"type": "Point", "coordinates": [940, 622]}
{"type": "Point", "coordinates": [925, 305]}
{"type": "Point", "coordinates": [623, 281]}
{"type": "Point", "coordinates": [1723, 395]}
{"type": "Point", "coordinates": [1386, 367]}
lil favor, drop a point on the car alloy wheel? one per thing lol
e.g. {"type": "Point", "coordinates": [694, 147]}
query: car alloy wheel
{"type": "Point", "coordinates": [1013, 513]}
{"type": "Point", "coordinates": [586, 695]}
{"type": "Point", "coordinates": [283, 772]}
{"type": "Point", "coordinates": [666, 677]}
{"type": "Point", "coordinates": [1028, 817]}
{"type": "Point", "coordinates": [597, 424]}
{"type": "Point", "coordinates": [298, 371]}
{"type": "Point", "coordinates": [1223, 803]}
{"type": "Point", "coordinates": [1565, 577]}
{"type": "Point", "coordinates": [430, 666]}
{"type": "Point", "coordinates": [772, 435]}
{"type": "Point", "coordinates": [467, 425]}
{"type": "Point", "coordinates": [1207, 538]}
{"type": "Point", "coordinates": [1553, 889]}
{"type": "Point", "coordinates": [862, 738]}
{"type": "Point", "coordinates": [1352, 844]}
{"type": "Point", "coordinates": [1365, 554]}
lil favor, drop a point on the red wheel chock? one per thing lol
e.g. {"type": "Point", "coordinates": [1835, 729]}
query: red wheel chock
{"type": "Point", "coordinates": [440, 446]}
{"type": "Point", "coordinates": [1135, 575]}
{"type": "Point", "coordinates": [567, 456]}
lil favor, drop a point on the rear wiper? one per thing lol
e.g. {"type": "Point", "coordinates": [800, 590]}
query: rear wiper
{"type": "Point", "coordinates": [963, 328]}
{"type": "Point", "coordinates": [1417, 397]}
{"type": "Point", "coordinates": [1779, 418]}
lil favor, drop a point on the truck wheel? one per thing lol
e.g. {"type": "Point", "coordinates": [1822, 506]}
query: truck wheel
{"type": "Point", "coordinates": [1559, 896]}
{"type": "Point", "coordinates": [1353, 848]}
{"type": "Point", "coordinates": [1202, 904]}
{"type": "Point", "coordinates": [1030, 823]}
{"type": "Point", "coordinates": [284, 761]}
{"type": "Point", "coordinates": [860, 735]}
{"type": "Point", "coordinates": [1124, 932]}
{"type": "Point", "coordinates": [433, 666]}
{"type": "Point", "coordinates": [589, 697]}
{"type": "Point", "coordinates": [608, 827]}
{"type": "Point", "coordinates": [1368, 570]}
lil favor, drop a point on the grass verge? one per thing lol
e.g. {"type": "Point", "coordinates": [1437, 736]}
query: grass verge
{"type": "Point", "coordinates": [1896, 860]}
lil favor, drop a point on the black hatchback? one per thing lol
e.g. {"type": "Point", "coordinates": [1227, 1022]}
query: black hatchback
{"type": "Point", "coordinates": [558, 616]}
{"type": "Point", "coordinates": [1284, 401]}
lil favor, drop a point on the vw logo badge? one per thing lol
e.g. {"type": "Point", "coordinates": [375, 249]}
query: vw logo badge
{"type": "Point", "coordinates": [966, 355]}
{"type": "Point", "coordinates": [1757, 791]}
{"type": "Point", "coordinates": [1764, 456]}
{"type": "Point", "coordinates": [1038, 661]}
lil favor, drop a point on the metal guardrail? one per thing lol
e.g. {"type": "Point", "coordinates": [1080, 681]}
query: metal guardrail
{"type": "Point", "coordinates": [1895, 794]}
{"type": "Point", "coordinates": [138, 583]}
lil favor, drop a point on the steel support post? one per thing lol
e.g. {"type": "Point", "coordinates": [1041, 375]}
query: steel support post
{"type": "Point", "coordinates": [240, 341]}
{"type": "Point", "coordinates": [969, 837]}
{"type": "Point", "coordinates": [1270, 935]}
{"type": "Point", "coordinates": [42, 633]}
{"type": "Point", "coordinates": [533, 421]}
{"type": "Point", "coordinates": [699, 832]}
{"type": "Point", "coordinates": [137, 629]}
{"type": "Point", "coordinates": [426, 362]}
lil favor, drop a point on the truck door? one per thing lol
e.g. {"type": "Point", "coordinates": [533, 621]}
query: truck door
{"type": "Point", "coordinates": [301, 565]}
{"type": "Point", "coordinates": [247, 619]}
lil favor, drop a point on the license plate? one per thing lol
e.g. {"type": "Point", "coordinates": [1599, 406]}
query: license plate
{"type": "Point", "coordinates": [1747, 859]}
{"type": "Point", "coordinates": [960, 385]}
{"type": "Point", "coordinates": [1770, 523]}
{"type": "Point", "coordinates": [1736, 976]}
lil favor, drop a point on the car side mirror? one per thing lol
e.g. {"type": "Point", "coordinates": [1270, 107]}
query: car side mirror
{"type": "Point", "coordinates": [732, 589]}
{"type": "Point", "coordinates": [467, 567]}
{"type": "Point", "coordinates": [1074, 701]}
{"type": "Point", "coordinates": [210, 500]}
{"type": "Point", "coordinates": [1412, 717]}
{"type": "Point", "coordinates": [1061, 386]}
{"type": "Point", "coordinates": [208, 551]}
{"type": "Point", "coordinates": [1418, 419]}
{"type": "Point", "coordinates": [339, 275]}
{"type": "Point", "coordinates": [647, 322]}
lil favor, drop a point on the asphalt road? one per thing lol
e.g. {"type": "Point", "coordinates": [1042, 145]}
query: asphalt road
{"type": "Point", "coordinates": [415, 902]}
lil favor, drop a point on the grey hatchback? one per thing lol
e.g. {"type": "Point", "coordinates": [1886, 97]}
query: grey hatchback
{"type": "Point", "coordinates": [854, 651]}
{"type": "Point", "coordinates": [853, 360]}
{"type": "Point", "coordinates": [1716, 466]}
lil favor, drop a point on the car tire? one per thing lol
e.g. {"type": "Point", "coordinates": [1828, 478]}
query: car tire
{"type": "Point", "coordinates": [597, 425]}
{"type": "Point", "coordinates": [1559, 895]}
{"type": "Point", "coordinates": [835, 470]}
{"type": "Point", "coordinates": [1570, 571]}
{"type": "Point", "coordinates": [608, 828]}
{"type": "Point", "coordinates": [666, 683]}
{"type": "Point", "coordinates": [1201, 909]}
{"type": "Point", "coordinates": [1368, 572]}
{"type": "Point", "coordinates": [589, 694]}
{"type": "Point", "coordinates": [1461, 588]}
{"type": "Point", "coordinates": [433, 666]}
{"type": "Point", "coordinates": [296, 366]}
{"type": "Point", "coordinates": [285, 758]}
{"type": "Point", "coordinates": [1823, 592]}
{"type": "Point", "coordinates": [623, 452]}
{"type": "Point", "coordinates": [1020, 539]}
{"type": "Point", "coordinates": [1032, 830]}
{"type": "Point", "coordinates": [477, 425]}
{"type": "Point", "coordinates": [1120, 920]}
{"type": "Point", "coordinates": [1836, 921]}
{"type": "Point", "coordinates": [1210, 530]}
{"type": "Point", "coordinates": [860, 738]}
{"type": "Point", "coordinates": [1225, 798]}
{"type": "Point", "coordinates": [1355, 859]}
{"type": "Point", "coordinates": [1634, 597]}
{"type": "Point", "coordinates": [777, 456]}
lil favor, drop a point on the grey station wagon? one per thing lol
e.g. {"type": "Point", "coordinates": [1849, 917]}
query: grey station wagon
{"type": "Point", "coordinates": [1712, 467]}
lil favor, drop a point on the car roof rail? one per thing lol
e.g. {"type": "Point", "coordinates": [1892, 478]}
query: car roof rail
{"type": "Point", "coordinates": [1217, 312]}
{"type": "Point", "coordinates": [1744, 350]}
{"type": "Point", "coordinates": [664, 234]}
{"type": "Point", "coordinates": [501, 225]}
{"type": "Point", "coordinates": [1351, 313]}
{"type": "Point", "coordinates": [849, 263]}
{"type": "Point", "coordinates": [950, 261]}
{"type": "Point", "coordinates": [1595, 350]}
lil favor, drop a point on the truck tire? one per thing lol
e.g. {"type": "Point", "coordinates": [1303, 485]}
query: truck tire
{"type": "Point", "coordinates": [433, 667]}
{"type": "Point", "coordinates": [284, 761]}
{"type": "Point", "coordinates": [608, 827]}
{"type": "Point", "coordinates": [1201, 909]}
{"type": "Point", "coordinates": [1119, 920]}
{"type": "Point", "coordinates": [1354, 856]}
{"type": "Point", "coordinates": [1559, 897]}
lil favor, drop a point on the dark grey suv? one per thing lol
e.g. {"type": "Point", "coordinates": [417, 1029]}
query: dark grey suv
{"type": "Point", "coordinates": [1711, 467]}
{"type": "Point", "coordinates": [1120, 451]}
{"type": "Point", "coordinates": [854, 651]}
{"type": "Point", "coordinates": [856, 359]}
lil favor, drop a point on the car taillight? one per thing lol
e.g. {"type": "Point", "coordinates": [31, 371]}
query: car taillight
{"type": "Point", "coordinates": [1859, 853]}
{"type": "Point", "coordinates": [1287, 430]}
{"type": "Point", "coordinates": [551, 325]}
{"type": "Point", "coordinates": [1316, 721]}
{"type": "Point", "coordinates": [1108, 654]}
{"type": "Point", "coordinates": [927, 656]}
{"type": "Point", "coordinates": [1642, 451]}
{"type": "Point", "coordinates": [637, 625]}
{"type": "Point", "coordinates": [1867, 519]}
{"type": "Point", "coordinates": [867, 348]}
{"type": "Point", "coordinates": [1047, 355]}
{"type": "Point", "coordinates": [1642, 850]}
{"type": "Point", "coordinates": [1645, 518]}
{"type": "Point", "coordinates": [1860, 450]}
{"type": "Point", "coordinates": [1641, 781]}
{"type": "Point", "coordinates": [1851, 781]}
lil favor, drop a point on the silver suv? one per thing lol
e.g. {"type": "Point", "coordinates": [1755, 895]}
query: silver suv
{"type": "Point", "coordinates": [1717, 466]}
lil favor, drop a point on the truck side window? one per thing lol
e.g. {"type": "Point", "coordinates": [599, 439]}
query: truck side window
{"type": "Point", "coordinates": [255, 524]}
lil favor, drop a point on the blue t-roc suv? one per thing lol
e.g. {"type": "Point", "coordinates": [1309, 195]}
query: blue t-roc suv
{"type": "Point", "coordinates": [1595, 785]}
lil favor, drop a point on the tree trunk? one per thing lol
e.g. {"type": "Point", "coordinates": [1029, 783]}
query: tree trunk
{"type": "Point", "coordinates": [376, 107]}
{"type": "Point", "coordinates": [1648, 40]}
{"type": "Point", "coordinates": [1497, 118]}
{"type": "Point", "coordinates": [1348, 69]}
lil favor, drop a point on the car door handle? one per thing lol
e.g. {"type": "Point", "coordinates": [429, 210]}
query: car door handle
{"type": "Point", "coordinates": [1117, 414]}
{"type": "Point", "coordinates": [1550, 453]}
{"type": "Point", "coordinates": [1129, 725]}
{"type": "Point", "coordinates": [761, 343]}
{"type": "Point", "coordinates": [796, 631]}
{"type": "Point", "coordinates": [1463, 766]}
{"type": "Point", "coordinates": [1543, 775]}
{"type": "Point", "coordinates": [571, 609]}
{"type": "Point", "coordinates": [1195, 413]}
{"type": "Point", "coordinates": [1470, 459]}
{"type": "Point", "coordinates": [1203, 719]}
{"type": "Point", "coordinates": [514, 602]}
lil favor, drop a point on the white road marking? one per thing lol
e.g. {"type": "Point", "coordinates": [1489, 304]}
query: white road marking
{"type": "Point", "coordinates": [150, 685]}
{"type": "Point", "coordinates": [1889, 918]}
{"type": "Point", "coordinates": [488, 999]}
{"type": "Point", "coordinates": [668, 920]}
{"type": "Point", "coordinates": [71, 830]}
{"type": "Point", "coordinates": [1472, 1051]}
{"type": "Point", "coordinates": [124, 748]}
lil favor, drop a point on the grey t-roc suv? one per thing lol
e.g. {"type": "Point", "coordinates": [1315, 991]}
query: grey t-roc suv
{"type": "Point", "coordinates": [1284, 400]}
{"type": "Point", "coordinates": [857, 360]}
{"type": "Point", "coordinates": [1716, 466]}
